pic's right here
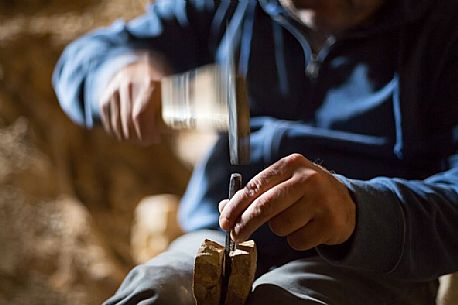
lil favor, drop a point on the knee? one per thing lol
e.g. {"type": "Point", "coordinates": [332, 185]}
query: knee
{"type": "Point", "coordinates": [159, 285]}
{"type": "Point", "coordinates": [267, 293]}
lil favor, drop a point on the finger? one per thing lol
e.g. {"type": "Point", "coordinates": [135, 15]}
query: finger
{"type": "Point", "coordinates": [115, 116]}
{"type": "Point", "coordinates": [292, 219]}
{"type": "Point", "coordinates": [104, 107]}
{"type": "Point", "coordinates": [126, 109]}
{"type": "Point", "coordinates": [139, 108]}
{"type": "Point", "coordinates": [105, 115]}
{"type": "Point", "coordinates": [222, 204]}
{"type": "Point", "coordinates": [265, 180]}
{"type": "Point", "coordinates": [267, 206]}
{"type": "Point", "coordinates": [308, 237]}
{"type": "Point", "coordinates": [154, 113]}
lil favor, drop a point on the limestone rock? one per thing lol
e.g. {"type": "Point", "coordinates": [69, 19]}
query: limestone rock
{"type": "Point", "coordinates": [448, 290]}
{"type": "Point", "coordinates": [68, 194]}
{"type": "Point", "coordinates": [155, 226]}
{"type": "Point", "coordinates": [52, 249]}
{"type": "Point", "coordinates": [207, 273]}
{"type": "Point", "coordinates": [208, 268]}
{"type": "Point", "coordinates": [243, 269]}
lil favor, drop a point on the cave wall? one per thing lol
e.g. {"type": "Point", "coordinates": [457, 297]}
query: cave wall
{"type": "Point", "coordinates": [67, 195]}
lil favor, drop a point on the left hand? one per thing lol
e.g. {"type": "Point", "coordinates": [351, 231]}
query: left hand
{"type": "Point", "coordinates": [130, 104]}
{"type": "Point", "coordinates": [298, 199]}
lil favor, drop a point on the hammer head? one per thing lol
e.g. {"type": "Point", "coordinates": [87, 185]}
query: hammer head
{"type": "Point", "coordinates": [210, 97]}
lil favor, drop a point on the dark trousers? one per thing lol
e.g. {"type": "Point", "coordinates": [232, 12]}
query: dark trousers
{"type": "Point", "coordinates": [167, 279]}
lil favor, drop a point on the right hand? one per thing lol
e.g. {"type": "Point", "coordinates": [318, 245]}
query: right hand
{"type": "Point", "coordinates": [130, 105]}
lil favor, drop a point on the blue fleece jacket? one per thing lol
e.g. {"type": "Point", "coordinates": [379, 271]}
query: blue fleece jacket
{"type": "Point", "coordinates": [377, 106]}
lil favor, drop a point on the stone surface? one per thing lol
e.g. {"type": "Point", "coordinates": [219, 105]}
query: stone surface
{"type": "Point", "coordinates": [52, 253]}
{"type": "Point", "coordinates": [155, 226]}
{"type": "Point", "coordinates": [243, 269]}
{"type": "Point", "coordinates": [68, 195]}
{"type": "Point", "coordinates": [448, 290]}
{"type": "Point", "coordinates": [208, 268]}
{"type": "Point", "coordinates": [206, 283]}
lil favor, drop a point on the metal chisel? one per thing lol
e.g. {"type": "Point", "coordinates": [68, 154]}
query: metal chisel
{"type": "Point", "coordinates": [235, 184]}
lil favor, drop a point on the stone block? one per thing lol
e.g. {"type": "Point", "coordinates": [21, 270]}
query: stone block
{"type": "Point", "coordinates": [208, 268]}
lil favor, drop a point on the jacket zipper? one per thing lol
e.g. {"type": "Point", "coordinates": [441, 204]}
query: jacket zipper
{"type": "Point", "coordinates": [313, 60]}
{"type": "Point", "coordinates": [313, 66]}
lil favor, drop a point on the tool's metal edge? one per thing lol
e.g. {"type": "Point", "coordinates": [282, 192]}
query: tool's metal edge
{"type": "Point", "coordinates": [239, 122]}
{"type": "Point", "coordinates": [235, 184]}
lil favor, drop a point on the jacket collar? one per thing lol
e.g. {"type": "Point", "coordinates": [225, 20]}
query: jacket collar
{"type": "Point", "coordinates": [392, 14]}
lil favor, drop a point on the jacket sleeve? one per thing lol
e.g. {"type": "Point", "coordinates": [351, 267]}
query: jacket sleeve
{"type": "Point", "coordinates": [406, 228]}
{"type": "Point", "coordinates": [177, 30]}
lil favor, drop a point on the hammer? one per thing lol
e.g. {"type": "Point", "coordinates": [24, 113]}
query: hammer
{"type": "Point", "coordinates": [210, 97]}
{"type": "Point", "coordinates": [214, 97]}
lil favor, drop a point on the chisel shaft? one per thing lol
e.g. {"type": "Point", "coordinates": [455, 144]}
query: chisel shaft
{"type": "Point", "coordinates": [235, 184]}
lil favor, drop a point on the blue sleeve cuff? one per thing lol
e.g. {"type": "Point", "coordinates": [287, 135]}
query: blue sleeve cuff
{"type": "Point", "coordinates": [377, 242]}
{"type": "Point", "coordinates": [97, 81]}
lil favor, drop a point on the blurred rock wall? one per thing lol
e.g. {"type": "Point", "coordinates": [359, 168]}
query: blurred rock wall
{"type": "Point", "coordinates": [67, 195]}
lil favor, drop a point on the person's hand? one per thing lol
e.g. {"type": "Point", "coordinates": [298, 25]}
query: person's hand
{"type": "Point", "coordinates": [298, 199]}
{"type": "Point", "coordinates": [130, 105]}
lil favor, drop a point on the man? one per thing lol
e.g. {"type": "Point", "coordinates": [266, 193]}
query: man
{"type": "Point", "coordinates": [363, 87]}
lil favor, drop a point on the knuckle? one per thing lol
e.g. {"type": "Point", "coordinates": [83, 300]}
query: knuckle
{"type": "Point", "coordinates": [301, 178]}
{"type": "Point", "coordinates": [294, 159]}
{"type": "Point", "coordinates": [252, 187]}
{"type": "Point", "coordinates": [311, 177]}
{"type": "Point", "coordinates": [312, 174]}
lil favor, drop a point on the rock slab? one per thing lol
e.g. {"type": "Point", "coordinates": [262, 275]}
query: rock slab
{"type": "Point", "coordinates": [243, 269]}
{"type": "Point", "coordinates": [208, 273]}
